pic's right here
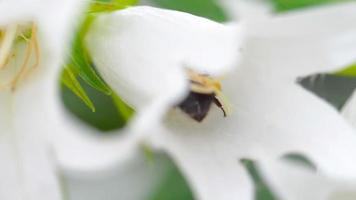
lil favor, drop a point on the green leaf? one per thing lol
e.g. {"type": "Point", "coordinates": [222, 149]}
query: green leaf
{"type": "Point", "coordinates": [349, 71]}
{"type": "Point", "coordinates": [69, 79]}
{"type": "Point", "coordinates": [285, 5]}
{"type": "Point", "coordinates": [204, 8]}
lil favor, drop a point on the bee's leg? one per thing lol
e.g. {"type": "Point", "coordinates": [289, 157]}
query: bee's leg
{"type": "Point", "coordinates": [220, 105]}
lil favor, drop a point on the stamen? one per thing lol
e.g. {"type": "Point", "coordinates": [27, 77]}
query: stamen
{"type": "Point", "coordinates": [33, 44]}
{"type": "Point", "coordinates": [32, 49]}
{"type": "Point", "coordinates": [7, 43]}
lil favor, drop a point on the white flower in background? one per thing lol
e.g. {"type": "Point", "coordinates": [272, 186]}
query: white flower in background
{"type": "Point", "coordinates": [295, 182]}
{"type": "Point", "coordinates": [154, 57]}
{"type": "Point", "coordinates": [32, 38]}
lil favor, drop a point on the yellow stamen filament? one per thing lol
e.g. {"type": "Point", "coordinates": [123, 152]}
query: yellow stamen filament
{"type": "Point", "coordinates": [32, 49]}
{"type": "Point", "coordinates": [7, 42]}
{"type": "Point", "coordinates": [32, 45]}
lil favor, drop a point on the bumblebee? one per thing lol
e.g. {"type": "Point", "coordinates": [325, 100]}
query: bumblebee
{"type": "Point", "coordinates": [204, 91]}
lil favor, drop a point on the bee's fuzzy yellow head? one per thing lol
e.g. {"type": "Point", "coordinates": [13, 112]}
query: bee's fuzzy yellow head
{"type": "Point", "coordinates": [9, 37]}
{"type": "Point", "coordinates": [204, 84]}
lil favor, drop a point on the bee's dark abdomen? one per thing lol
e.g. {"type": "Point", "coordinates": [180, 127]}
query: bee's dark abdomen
{"type": "Point", "coordinates": [197, 105]}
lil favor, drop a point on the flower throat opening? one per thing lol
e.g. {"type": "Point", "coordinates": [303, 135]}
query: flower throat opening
{"type": "Point", "coordinates": [204, 91]}
{"type": "Point", "coordinates": [11, 37]}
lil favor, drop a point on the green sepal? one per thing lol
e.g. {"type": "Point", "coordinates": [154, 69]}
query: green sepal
{"type": "Point", "coordinates": [125, 111]}
{"type": "Point", "coordinates": [81, 65]}
{"type": "Point", "coordinates": [80, 62]}
{"type": "Point", "coordinates": [349, 71]}
{"type": "Point", "coordinates": [70, 80]}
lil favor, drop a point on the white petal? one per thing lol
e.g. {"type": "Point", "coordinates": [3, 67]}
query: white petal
{"type": "Point", "coordinates": [9, 187]}
{"type": "Point", "coordinates": [207, 164]}
{"type": "Point", "coordinates": [96, 166]}
{"type": "Point", "coordinates": [295, 182]}
{"type": "Point", "coordinates": [84, 150]}
{"type": "Point", "coordinates": [138, 48]}
{"type": "Point", "coordinates": [302, 43]}
{"type": "Point", "coordinates": [283, 117]}
{"type": "Point", "coordinates": [131, 181]}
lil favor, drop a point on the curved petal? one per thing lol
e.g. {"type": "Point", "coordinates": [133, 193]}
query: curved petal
{"type": "Point", "coordinates": [132, 181]}
{"type": "Point", "coordinates": [302, 43]}
{"type": "Point", "coordinates": [293, 182]}
{"type": "Point", "coordinates": [139, 48]}
{"type": "Point", "coordinates": [98, 166]}
{"type": "Point", "coordinates": [212, 171]}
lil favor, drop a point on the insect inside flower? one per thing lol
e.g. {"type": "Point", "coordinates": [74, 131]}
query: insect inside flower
{"type": "Point", "coordinates": [204, 91]}
{"type": "Point", "coordinates": [10, 37]}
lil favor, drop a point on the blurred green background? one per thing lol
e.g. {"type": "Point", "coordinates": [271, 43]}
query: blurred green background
{"type": "Point", "coordinates": [334, 89]}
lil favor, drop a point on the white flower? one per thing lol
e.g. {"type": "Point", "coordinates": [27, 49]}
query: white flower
{"type": "Point", "coordinates": [35, 38]}
{"type": "Point", "coordinates": [144, 54]}
{"type": "Point", "coordinates": [33, 34]}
